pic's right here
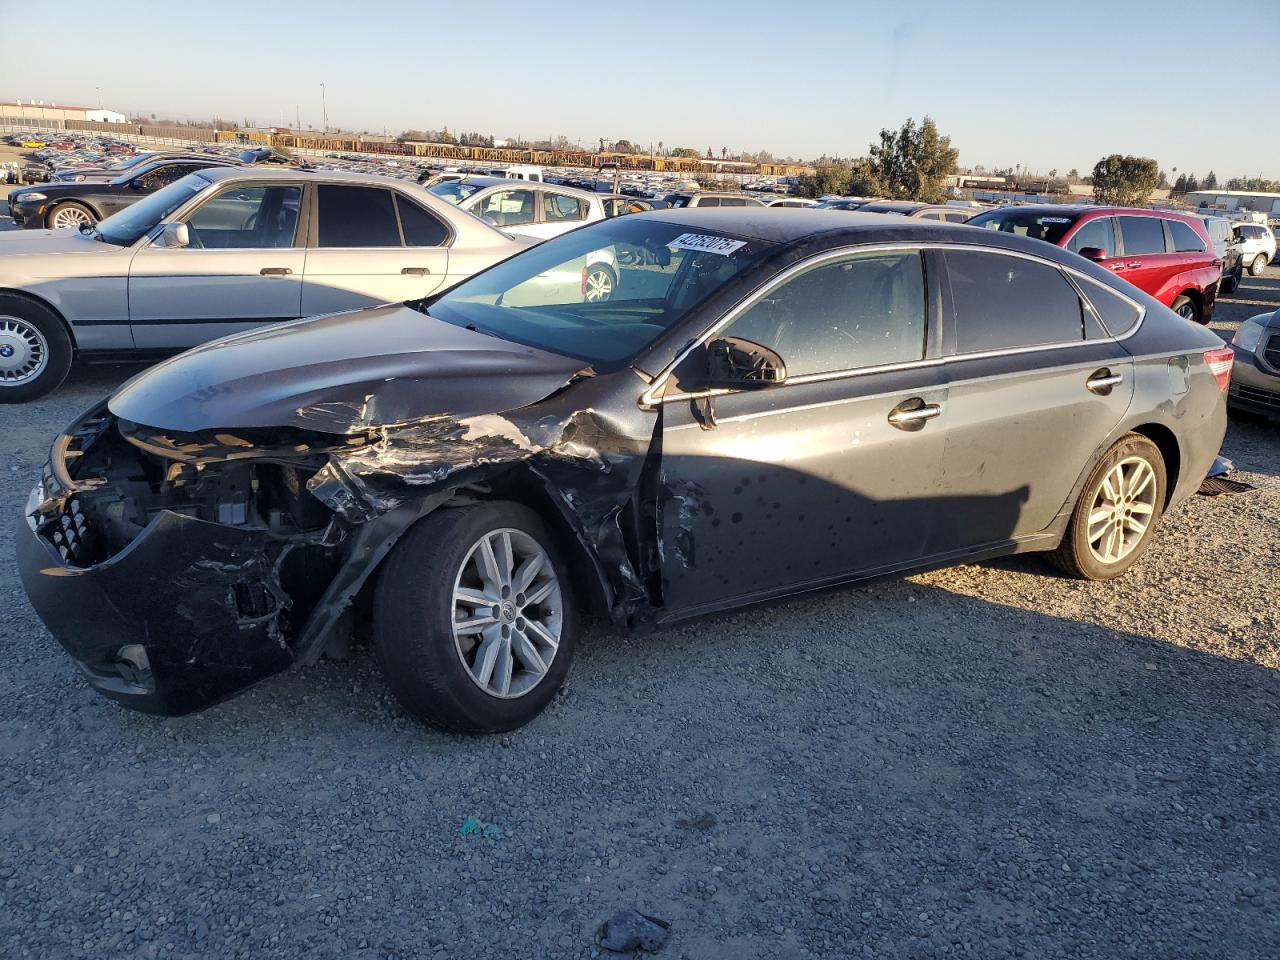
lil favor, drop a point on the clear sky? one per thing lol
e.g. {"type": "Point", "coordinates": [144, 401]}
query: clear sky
{"type": "Point", "coordinates": [1045, 85]}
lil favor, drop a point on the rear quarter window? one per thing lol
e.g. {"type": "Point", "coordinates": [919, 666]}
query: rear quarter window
{"type": "Point", "coordinates": [1185, 240]}
{"type": "Point", "coordinates": [1118, 315]}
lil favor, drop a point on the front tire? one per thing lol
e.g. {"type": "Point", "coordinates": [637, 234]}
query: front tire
{"type": "Point", "coordinates": [474, 618]}
{"type": "Point", "coordinates": [68, 214]}
{"type": "Point", "coordinates": [1259, 264]}
{"type": "Point", "coordinates": [1115, 519]}
{"type": "Point", "coordinates": [35, 350]}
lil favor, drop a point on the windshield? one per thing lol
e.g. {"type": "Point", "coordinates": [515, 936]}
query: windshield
{"type": "Point", "coordinates": [1037, 225]}
{"type": "Point", "coordinates": [601, 293]}
{"type": "Point", "coordinates": [132, 222]}
{"type": "Point", "coordinates": [455, 191]}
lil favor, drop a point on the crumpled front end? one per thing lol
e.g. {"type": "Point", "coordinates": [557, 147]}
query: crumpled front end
{"type": "Point", "coordinates": [173, 585]}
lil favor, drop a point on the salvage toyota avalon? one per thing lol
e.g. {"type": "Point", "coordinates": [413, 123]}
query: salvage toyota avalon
{"type": "Point", "coordinates": [774, 402]}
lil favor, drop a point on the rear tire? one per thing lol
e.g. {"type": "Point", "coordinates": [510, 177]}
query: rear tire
{"type": "Point", "coordinates": [68, 214]}
{"type": "Point", "coordinates": [437, 669]}
{"type": "Point", "coordinates": [1259, 264]}
{"type": "Point", "coordinates": [1125, 491]}
{"type": "Point", "coordinates": [35, 350]}
{"type": "Point", "coordinates": [1187, 308]}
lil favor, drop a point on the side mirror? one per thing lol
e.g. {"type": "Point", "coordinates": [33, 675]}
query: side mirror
{"type": "Point", "coordinates": [174, 236]}
{"type": "Point", "coordinates": [1093, 253]}
{"type": "Point", "coordinates": [737, 364]}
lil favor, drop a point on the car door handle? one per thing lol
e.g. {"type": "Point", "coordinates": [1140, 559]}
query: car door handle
{"type": "Point", "coordinates": [275, 271]}
{"type": "Point", "coordinates": [1134, 264]}
{"type": "Point", "coordinates": [913, 414]}
{"type": "Point", "coordinates": [1102, 381]}
{"type": "Point", "coordinates": [415, 271]}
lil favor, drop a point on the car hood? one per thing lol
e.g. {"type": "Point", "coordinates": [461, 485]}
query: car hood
{"type": "Point", "coordinates": [41, 242]}
{"type": "Point", "coordinates": [343, 374]}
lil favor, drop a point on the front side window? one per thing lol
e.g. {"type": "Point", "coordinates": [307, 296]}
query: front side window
{"type": "Point", "coordinates": [163, 176]}
{"type": "Point", "coordinates": [133, 221]}
{"type": "Point", "coordinates": [1098, 233]}
{"type": "Point", "coordinates": [1002, 302]}
{"type": "Point", "coordinates": [1185, 240]}
{"type": "Point", "coordinates": [559, 207]}
{"type": "Point", "coordinates": [247, 218]}
{"type": "Point", "coordinates": [356, 217]}
{"type": "Point", "coordinates": [506, 208]}
{"type": "Point", "coordinates": [543, 297]}
{"type": "Point", "coordinates": [1141, 235]}
{"type": "Point", "coordinates": [865, 310]}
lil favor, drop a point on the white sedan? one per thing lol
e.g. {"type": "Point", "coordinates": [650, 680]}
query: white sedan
{"type": "Point", "coordinates": [220, 251]}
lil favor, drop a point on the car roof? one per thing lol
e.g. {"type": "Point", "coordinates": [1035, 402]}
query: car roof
{"type": "Point", "coordinates": [824, 229]}
{"type": "Point", "coordinates": [293, 174]}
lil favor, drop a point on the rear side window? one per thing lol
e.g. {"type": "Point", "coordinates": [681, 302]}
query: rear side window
{"type": "Point", "coordinates": [357, 217]}
{"type": "Point", "coordinates": [1141, 235]}
{"type": "Point", "coordinates": [1002, 302]}
{"type": "Point", "coordinates": [1100, 233]}
{"type": "Point", "coordinates": [421, 229]}
{"type": "Point", "coordinates": [709, 202]}
{"type": "Point", "coordinates": [1185, 240]}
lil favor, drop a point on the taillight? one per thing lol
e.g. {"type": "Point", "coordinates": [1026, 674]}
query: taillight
{"type": "Point", "coordinates": [1219, 362]}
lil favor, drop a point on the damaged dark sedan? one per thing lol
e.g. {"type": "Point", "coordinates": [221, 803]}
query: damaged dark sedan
{"type": "Point", "coordinates": [771, 403]}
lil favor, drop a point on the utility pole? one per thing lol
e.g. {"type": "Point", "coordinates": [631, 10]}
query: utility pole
{"type": "Point", "coordinates": [99, 89]}
{"type": "Point", "coordinates": [297, 117]}
{"type": "Point", "coordinates": [324, 109]}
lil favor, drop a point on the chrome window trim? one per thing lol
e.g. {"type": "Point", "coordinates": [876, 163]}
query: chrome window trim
{"type": "Point", "coordinates": [648, 400]}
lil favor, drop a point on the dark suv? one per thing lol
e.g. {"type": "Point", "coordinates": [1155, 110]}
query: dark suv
{"type": "Point", "coordinates": [1168, 255]}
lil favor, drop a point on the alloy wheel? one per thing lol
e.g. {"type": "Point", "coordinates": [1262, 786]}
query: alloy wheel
{"type": "Point", "coordinates": [1122, 508]}
{"type": "Point", "coordinates": [24, 351]}
{"type": "Point", "coordinates": [1187, 311]}
{"type": "Point", "coordinates": [507, 613]}
{"type": "Point", "coordinates": [69, 216]}
{"type": "Point", "coordinates": [599, 286]}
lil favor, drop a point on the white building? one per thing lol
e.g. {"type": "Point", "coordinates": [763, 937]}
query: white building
{"type": "Point", "coordinates": [105, 116]}
{"type": "Point", "coordinates": [1268, 203]}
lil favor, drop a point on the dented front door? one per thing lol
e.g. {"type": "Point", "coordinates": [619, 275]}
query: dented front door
{"type": "Point", "coordinates": [795, 485]}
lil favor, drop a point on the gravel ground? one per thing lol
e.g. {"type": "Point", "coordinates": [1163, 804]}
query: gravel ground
{"type": "Point", "coordinates": [988, 761]}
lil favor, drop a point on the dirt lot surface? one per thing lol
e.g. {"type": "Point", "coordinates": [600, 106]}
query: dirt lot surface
{"type": "Point", "coordinates": [988, 761]}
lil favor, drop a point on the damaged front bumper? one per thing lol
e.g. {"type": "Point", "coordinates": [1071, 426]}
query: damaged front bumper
{"type": "Point", "coordinates": [174, 586]}
{"type": "Point", "coordinates": [175, 622]}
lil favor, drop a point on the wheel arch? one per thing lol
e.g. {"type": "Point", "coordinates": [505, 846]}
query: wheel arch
{"type": "Point", "coordinates": [1166, 442]}
{"type": "Point", "coordinates": [79, 202]}
{"type": "Point", "coordinates": [42, 302]}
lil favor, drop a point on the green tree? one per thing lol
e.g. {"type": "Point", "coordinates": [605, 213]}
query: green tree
{"type": "Point", "coordinates": [1210, 182]}
{"type": "Point", "coordinates": [1124, 181]}
{"type": "Point", "coordinates": [689, 152]}
{"type": "Point", "coordinates": [1192, 183]}
{"type": "Point", "coordinates": [912, 163]}
{"type": "Point", "coordinates": [1180, 185]}
{"type": "Point", "coordinates": [832, 179]}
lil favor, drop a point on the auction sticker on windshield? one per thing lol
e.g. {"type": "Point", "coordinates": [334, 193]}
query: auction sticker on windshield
{"type": "Point", "coordinates": [706, 243]}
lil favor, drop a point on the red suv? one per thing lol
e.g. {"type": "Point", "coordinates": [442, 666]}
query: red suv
{"type": "Point", "coordinates": [1168, 255]}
